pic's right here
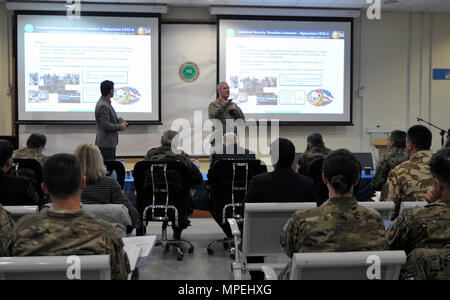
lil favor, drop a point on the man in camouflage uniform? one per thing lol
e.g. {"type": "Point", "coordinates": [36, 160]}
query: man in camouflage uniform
{"type": "Point", "coordinates": [6, 232]}
{"type": "Point", "coordinates": [340, 224]}
{"type": "Point", "coordinates": [315, 148]}
{"type": "Point", "coordinates": [410, 180]}
{"type": "Point", "coordinates": [223, 109]}
{"type": "Point", "coordinates": [35, 145]}
{"type": "Point", "coordinates": [395, 155]}
{"type": "Point", "coordinates": [423, 233]}
{"type": "Point", "coordinates": [65, 229]}
{"type": "Point", "coordinates": [164, 152]}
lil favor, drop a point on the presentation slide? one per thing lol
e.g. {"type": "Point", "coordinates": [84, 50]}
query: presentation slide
{"type": "Point", "coordinates": [293, 71]}
{"type": "Point", "coordinates": [62, 63]}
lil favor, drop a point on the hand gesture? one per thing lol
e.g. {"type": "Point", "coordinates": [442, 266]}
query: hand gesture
{"type": "Point", "coordinates": [432, 194]}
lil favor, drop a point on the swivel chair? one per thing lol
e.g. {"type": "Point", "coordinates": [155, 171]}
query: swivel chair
{"type": "Point", "coordinates": [163, 195]}
{"type": "Point", "coordinates": [31, 168]}
{"type": "Point", "coordinates": [228, 181]}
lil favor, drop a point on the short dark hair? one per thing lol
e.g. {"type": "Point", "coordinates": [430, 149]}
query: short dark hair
{"type": "Point", "coordinates": [62, 175]}
{"type": "Point", "coordinates": [440, 165]}
{"type": "Point", "coordinates": [315, 139]}
{"type": "Point", "coordinates": [286, 152]}
{"type": "Point", "coordinates": [420, 137]}
{"type": "Point", "coordinates": [6, 151]}
{"type": "Point", "coordinates": [36, 140]}
{"type": "Point", "coordinates": [342, 170]}
{"type": "Point", "coordinates": [106, 87]}
{"type": "Point", "coordinates": [399, 138]}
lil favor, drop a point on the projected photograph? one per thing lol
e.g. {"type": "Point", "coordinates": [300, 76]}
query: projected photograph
{"type": "Point", "coordinates": [69, 97]}
{"type": "Point", "coordinates": [257, 87]}
{"type": "Point", "coordinates": [35, 96]}
{"type": "Point", "coordinates": [56, 83]}
{"type": "Point", "coordinates": [64, 85]}
{"type": "Point", "coordinates": [33, 78]}
{"type": "Point", "coordinates": [126, 95]}
{"type": "Point", "coordinates": [319, 97]}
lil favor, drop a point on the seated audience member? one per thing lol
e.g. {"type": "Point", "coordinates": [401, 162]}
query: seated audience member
{"type": "Point", "coordinates": [283, 184]}
{"type": "Point", "coordinates": [395, 155]}
{"type": "Point", "coordinates": [15, 190]}
{"type": "Point", "coordinates": [315, 148]}
{"type": "Point", "coordinates": [35, 145]}
{"type": "Point", "coordinates": [6, 232]}
{"type": "Point", "coordinates": [65, 229]}
{"type": "Point", "coordinates": [410, 180]}
{"type": "Point", "coordinates": [231, 149]}
{"type": "Point", "coordinates": [423, 233]}
{"type": "Point", "coordinates": [101, 189]}
{"type": "Point", "coordinates": [169, 139]}
{"type": "Point", "coordinates": [340, 224]}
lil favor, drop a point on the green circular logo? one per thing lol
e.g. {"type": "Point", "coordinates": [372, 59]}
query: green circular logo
{"type": "Point", "coordinates": [189, 72]}
{"type": "Point", "coordinates": [29, 28]}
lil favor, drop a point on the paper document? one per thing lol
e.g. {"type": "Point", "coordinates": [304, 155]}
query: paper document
{"type": "Point", "coordinates": [138, 249]}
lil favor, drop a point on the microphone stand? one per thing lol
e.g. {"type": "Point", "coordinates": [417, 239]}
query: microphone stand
{"type": "Point", "coordinates": [442, 133]}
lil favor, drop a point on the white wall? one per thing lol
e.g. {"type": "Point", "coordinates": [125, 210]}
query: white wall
{"type": "Point", "coordinates": [5, 100]}
{"type": "Point", "coordinates": [392, 60]}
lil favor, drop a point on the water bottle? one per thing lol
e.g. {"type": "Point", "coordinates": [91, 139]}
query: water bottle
{"type": "Point", "coordinates": [127, 172]}
{"type": "Point", "coordinates": [197, 163]}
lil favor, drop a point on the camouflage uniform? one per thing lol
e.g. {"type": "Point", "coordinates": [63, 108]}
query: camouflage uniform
{"type": "Point", "coordinates": [218, 110]}
{"type": "Point", "coordinates": [423, 233]}
{"type": "Point", "coordinates": [306, 159]}
{"type": "Point", "coordinates": [339, 225]}
{"type": "Point", "coordinates": [184, 209]}
{"type": "Point", "coordinates": [55, 232]}
{"type": "Point", "coordinates": [388, 161]}
{"type": "Point", "coordinates": [30, 153]}
{"type": "Point", "coordinates": [165, 153]}
{"type": "Point", "coordinates": [408, 181]}
{"type": "Point", "coordinates": [6, 232]}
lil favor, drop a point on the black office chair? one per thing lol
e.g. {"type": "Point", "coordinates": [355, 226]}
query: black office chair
{"type": "Point", "coordinates": [163, 195]}
{"type": "Point", "coordinates": [118, 167]}
{"type": "Point", "coordinates": [314, 171]}
{"type": "Point", "coordinates": [228, 181]}
{"type": "Point", "coordinates": [31, 168]}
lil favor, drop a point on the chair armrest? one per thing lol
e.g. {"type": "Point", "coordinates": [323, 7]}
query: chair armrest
{"type": "Point", "coordinates": [234, 227]}
{"type": "Point", "coordinates": [269, 273]}
{"type": "Point", "coordinates": [237, 238]}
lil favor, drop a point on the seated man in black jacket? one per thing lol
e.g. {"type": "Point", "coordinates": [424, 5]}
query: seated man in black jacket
{"type": "Point", "coordinates": [281, 185]}
{"type": "Point", "coordinates": [15, 190]}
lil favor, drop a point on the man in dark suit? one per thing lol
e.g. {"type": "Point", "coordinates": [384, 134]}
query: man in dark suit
{"type": "Point", "coordinates": [108, 124]}
{"type": "Point", "coordinates": [283, 184]}
{"type": "Point", "coordinates": [15, 190]}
